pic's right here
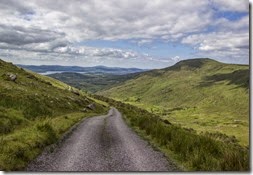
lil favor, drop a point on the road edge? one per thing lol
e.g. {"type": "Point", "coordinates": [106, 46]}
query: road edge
{"type": "Point", "coordinates": [177, 167]}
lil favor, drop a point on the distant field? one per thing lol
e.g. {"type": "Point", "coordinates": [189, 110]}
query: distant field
{"type": "Point", "coordinates": [202, 94]}
{"type": "Point", "coordinates": [92, 82]}
{"type": "Point", "coordinates": [87, 70]}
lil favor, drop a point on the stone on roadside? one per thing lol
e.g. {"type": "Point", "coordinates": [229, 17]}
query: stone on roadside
{"type": "Point", "coordinates": [91, 106]}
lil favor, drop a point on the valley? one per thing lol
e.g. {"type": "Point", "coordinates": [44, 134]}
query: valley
{"type": "Point", "coordinates": [125, 86]}
{"type": "Point", "coordinates": [92, 82]}
{"type": "Point", "coordinates": [199, 103]}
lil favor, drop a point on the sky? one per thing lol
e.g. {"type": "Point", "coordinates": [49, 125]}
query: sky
{"type": "Point", "coordinates": [123, 33]}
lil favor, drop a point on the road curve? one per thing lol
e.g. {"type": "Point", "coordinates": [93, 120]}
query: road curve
{"type": "Point", "coordinates": [103, 143]}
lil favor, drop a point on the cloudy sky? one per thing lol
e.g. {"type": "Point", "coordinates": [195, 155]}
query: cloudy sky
{"type": "Point", "coordinates": [123, 33]}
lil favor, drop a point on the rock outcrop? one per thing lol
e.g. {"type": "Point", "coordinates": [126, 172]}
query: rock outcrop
{"type": "Point", "coordinates": [10, 77]}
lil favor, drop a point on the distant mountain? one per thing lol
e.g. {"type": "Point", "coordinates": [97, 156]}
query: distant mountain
{"type": "Point", "coordinates": [199, 93]}
{"type": "Point", "coordinates": [92, 82]}
{"type": "Point", "coordinates": [48, 69]}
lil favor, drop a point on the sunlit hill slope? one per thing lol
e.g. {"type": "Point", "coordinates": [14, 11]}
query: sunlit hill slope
{"type": "Point", "coordinates": [202, 94]}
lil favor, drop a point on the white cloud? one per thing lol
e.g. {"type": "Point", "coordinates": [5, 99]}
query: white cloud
{"type": "Point", "coordinates": [96, 52]}
{"type": "Point", "coordinates": [88, 56]}
{"type": "Point", "coordinates": [219, 41]}
{"type": "Point", "coordinates": [231, 5]}
{"type": "Point", "coordinates": [223, 24]}
{"type": "Point", "coordinates": [143, 42]}
{"type": "Point", "coordinates": [230, 40]}
{"type": "Point", "coordinates": [221, 45]}
{"type": "Point", "coordinates": [176, 58]}
{"type": "Point", "coordinates": [109, 19]}
{"type": "Point", "coordinates": [48, 29]}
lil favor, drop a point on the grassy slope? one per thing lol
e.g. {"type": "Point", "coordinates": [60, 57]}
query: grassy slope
{"type": "Point", "coordinates": [92, 82]}
{"type": "Point", "coordinates": [189, 150]}
{"type": "Point", "coordinates": [34, 112]}
{"type": "Point", "coordinates": [202, 94]}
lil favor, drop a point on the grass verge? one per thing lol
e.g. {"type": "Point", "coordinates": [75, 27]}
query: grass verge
{"type": "Point", "coordinates": [196, 152]}
{"type": "Point", "coordinates": [18, 148]}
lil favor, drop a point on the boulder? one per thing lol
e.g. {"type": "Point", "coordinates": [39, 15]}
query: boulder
{"type": "Point", "coordinates": [91, 106]}
{"type": "Point", "coordinates": [10, 77]}
{"type": "Point", "coordinates": [167, 122]}
{"type": "Point", "coordinates": [75, 92]}
{"type": "Point", "coordinates": [86, 100]}
{"type": "Point", "coordinates": [84, 110]}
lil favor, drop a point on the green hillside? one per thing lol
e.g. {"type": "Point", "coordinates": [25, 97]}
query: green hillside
{"type": "Point", "coordinates": [34, 112]}
{"type": "Point", "coordinates": [189, 150]}
{"type": "Point", "coordinates": [202, 94]}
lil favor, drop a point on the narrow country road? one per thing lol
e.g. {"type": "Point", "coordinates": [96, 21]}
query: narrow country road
{"type": "Point", "coordinates": [103, 143]}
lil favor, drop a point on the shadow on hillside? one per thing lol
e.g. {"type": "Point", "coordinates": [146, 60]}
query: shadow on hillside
{"type": "Point", "coordinates": [239, 78]}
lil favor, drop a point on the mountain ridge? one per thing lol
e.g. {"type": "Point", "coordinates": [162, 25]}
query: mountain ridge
{"type": "Point", "coordinates": [95, 69]}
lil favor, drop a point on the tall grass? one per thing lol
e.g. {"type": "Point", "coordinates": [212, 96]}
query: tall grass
{"type": "Point", "coordinates": [200, 152]}
{"type": "Point", "coordinates": [22, 145]}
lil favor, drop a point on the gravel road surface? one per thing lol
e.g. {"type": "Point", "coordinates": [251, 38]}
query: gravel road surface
{"type": "Point", "coordinates": [102, 143]}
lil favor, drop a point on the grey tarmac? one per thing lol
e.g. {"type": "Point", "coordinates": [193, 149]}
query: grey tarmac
{"type": "Point", "coordinates": [102, 143]}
